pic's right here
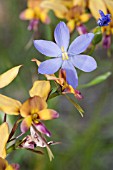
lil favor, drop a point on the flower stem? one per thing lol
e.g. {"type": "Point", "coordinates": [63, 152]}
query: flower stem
{"type": "Point", "coordinates": [5, 117]}
{"type": "Point", "coordinates": [14, 128]}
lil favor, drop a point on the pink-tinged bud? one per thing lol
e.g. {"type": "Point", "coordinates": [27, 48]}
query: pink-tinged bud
{"type": "Point", "coordinates": [106, 41]}
{"type": "Point", "coordinates": [81, 29]}
{"type": "Point", "coordinates": [15, 166]}
{"type": "Point", "coordinates": [33, 25]}
{"type": "Point", "coordinates": [78, 94]}
{"type": "Point", "coordinates": [22, 16]}
{"type": "Point", "coordinates": [42, 129]}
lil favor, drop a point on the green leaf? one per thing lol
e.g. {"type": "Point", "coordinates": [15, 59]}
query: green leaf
{"type": "Point", "coordinates": [78, 107]}
{"type": "Point", "coordinates": [96, 81]}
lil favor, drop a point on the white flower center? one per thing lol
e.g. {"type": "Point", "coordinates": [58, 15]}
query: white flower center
{"type": "Point", "coordinates": [64, 54]}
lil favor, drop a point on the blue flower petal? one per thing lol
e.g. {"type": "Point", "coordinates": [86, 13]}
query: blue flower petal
{"type": "Point", "coordinates": [47, 48]}
{"type": "Point", "coordinates": [104, 20]}
{"type": "Point", "coordinates": [80, 44]}
{"type": "Point", "coordinates": [50, 66]}
{"type": "Point", "coordinates": [71, 74]}
{"type": "Point", "coordinates": [84, 62]}
{"type": "Point", "coordinates": [101, 13]}
{"type": "Point", "coordinates": [62, 35]}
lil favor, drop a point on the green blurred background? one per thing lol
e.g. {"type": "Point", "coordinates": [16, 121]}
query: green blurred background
{"type": "Point", "coordinates": [86, 143]}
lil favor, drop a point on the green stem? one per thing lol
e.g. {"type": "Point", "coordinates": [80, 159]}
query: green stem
{"type": "Point", "coordinates": [92, 50]}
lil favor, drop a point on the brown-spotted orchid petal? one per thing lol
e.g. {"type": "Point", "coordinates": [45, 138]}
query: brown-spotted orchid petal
{"type": "Point", "coordinates": [42, 129]}
{"type": "Point", "coordinates": [7, 77]}
{"type": "Point", "coordinates": [9, 106]}
{"type": "Point", "coordinates": [4, 135]}
{"type": "Point", "coordinates": [32, 106]}
{"type": "Point", "coordinates": [48, 114]}
{"type": "Point", "coordinates": [40, 88]}
{"type": "Point", "coordinates": [28, 142]}
{"type": "Point", "coordinates": [26, 123]}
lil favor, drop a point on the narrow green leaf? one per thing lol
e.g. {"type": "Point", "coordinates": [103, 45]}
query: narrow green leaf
{"type": "Point", "coordinates": [96, 81]}
{"type": "Point", "coordinates": [77, 106]}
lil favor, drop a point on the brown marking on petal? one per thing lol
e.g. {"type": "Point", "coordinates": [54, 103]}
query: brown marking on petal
{"type": "Point", "coordinates": [32, 105]}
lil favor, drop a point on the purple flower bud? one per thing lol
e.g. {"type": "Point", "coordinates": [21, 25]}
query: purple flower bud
{"type": "Point", "coordinates": [33, 25]}
{"type": "Point", "coordinates": [81, 29]}
{"type": "Point", "coordinates": [106, 42]}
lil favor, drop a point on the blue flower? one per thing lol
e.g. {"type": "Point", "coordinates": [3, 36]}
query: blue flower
{"type": "Point", "coordinates": [104, 20]}
{"type": "Point", "coordinates": [64, 57]}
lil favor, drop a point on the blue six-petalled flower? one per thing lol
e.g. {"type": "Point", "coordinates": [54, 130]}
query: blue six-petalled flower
{"type": "Point", "coordinates": [104, 20]}
{"type": "Point", "coordinates": [64, 57]}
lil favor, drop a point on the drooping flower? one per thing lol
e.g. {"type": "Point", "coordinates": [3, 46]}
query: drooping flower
{"type": "Point", "coordinates": [104, 20]}
{"type": "Point", "coordinates": [66, 58]}
{"type": "Point", "coordinates": [35, 140]}
{"type": "Point", "coordinates": [61, 80]}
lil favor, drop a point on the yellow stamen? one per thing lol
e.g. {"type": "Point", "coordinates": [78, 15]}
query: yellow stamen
{"type": "Point", "coordinates": [35, 116]}
{"type": "Point", "coordinates": [64, 54]}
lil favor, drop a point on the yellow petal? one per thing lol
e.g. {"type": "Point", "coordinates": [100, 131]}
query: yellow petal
{"type": "Point", "coordinates": [82, 3]}
{"type": "Point", "coordinates": [32, 105]}
{"type": "Point", "coordinates": [95, 7]}
{"type": "Point", "coordinates": [71, 25]}
{"type": "Point", "coordinates": [26, 123]}
{"type": "Point", "coordinates": [9, 76]}
{"type": "Point", "coordinates": [27, 14]}
{"type": "Point", "coordinates": [85, 17]}
{"type": "Point", "coordinates": [109, 5]}
{"type": "Point", "coordinates": [9, 167]}
{"type": "Point", "coordinates": [40, 88]}
{"type": "Point", "coordinates": [4, 135]}
{"type": "Point", "coordinates": [48, 114]}
{"type": "Point", "coordinates": [3, 164]}
{"type": "Point", "coordinates": [9, 106]}
{"type": "Point", "coordinates": [33, 3]}
{"type": "Point", "coordinates": [37, 61]}
{"type": "Point", "coordinates": [58, 8]}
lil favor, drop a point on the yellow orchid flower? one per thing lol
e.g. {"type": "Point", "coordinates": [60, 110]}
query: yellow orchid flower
{"type": "Point", "coordinates": [35, 13]}
{"type": "Point", "coordinates": [35, 108]}
{"type": "Point", "coordinates": [4, 165]}
{"type": "Point", "coordinates": [76, 16]}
